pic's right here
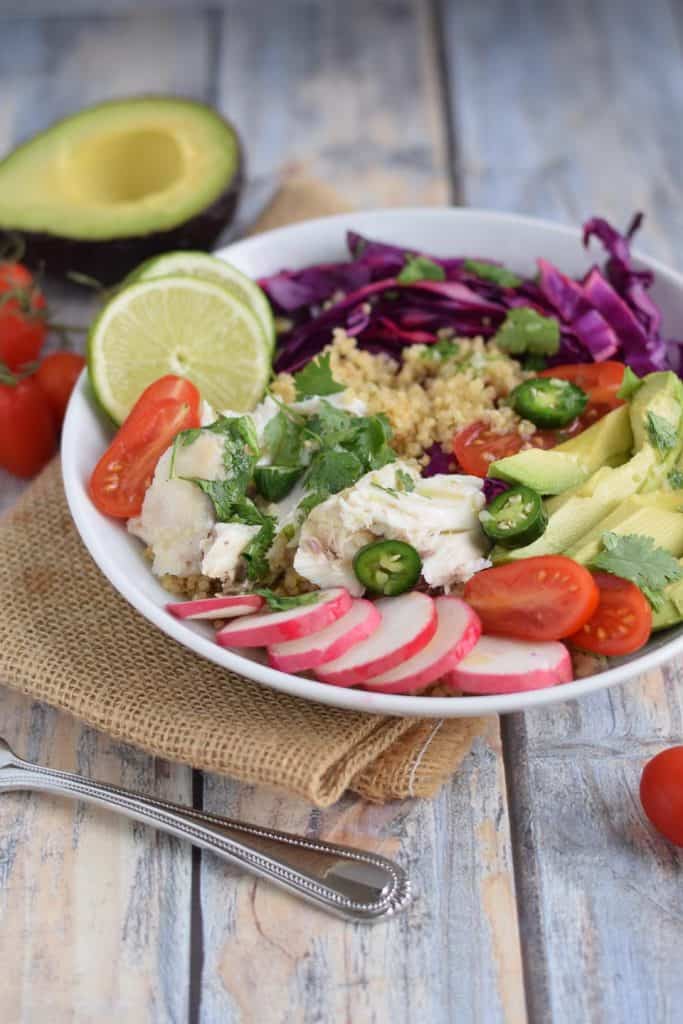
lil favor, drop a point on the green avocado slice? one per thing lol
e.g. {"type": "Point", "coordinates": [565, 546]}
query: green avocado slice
{"type": "Point", "coordinates": [112, 185]}
{"type": "Point", "coordinates": [570, 463]}
{"type": "Point", "coordinates": [643, 514]}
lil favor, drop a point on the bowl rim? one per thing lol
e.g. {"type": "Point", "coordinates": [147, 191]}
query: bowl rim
{"type": "Point", "coordinates": [299, 686]}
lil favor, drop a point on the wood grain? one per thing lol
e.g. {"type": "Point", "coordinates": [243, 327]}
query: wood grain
{"type": "Point", "coordinates": [563, 111]}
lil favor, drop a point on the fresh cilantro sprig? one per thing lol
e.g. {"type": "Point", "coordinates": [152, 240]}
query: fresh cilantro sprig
{"type": "Point", "coordinates": [282, 603]}
{"type": "Point", "coordinates": [635, 557]}
{"type": "Point", "coordinates": [526, 331]}
{"type": "Point", "coordinates": [444, 348]}
{"type": "Point", "coordinates": [662, 433]}
{"type": "Point", "coordinates": [493, 272]}
{"type": "Point", "coordinates": [675, 479]}
{"type": "Point", "coordinates": [420, 268]}
{"type": "Point", "coordinates": [316, 379]}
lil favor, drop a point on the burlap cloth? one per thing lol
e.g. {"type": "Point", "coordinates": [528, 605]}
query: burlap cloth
{"type": "Point", "coordinates": [68, 639]}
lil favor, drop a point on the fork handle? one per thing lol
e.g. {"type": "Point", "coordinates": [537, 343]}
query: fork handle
{"type": "Point", "coordinates": [351, 883]}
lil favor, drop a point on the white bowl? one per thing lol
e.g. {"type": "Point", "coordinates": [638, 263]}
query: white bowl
{"type": "Point", "coordinates": [515, 240]}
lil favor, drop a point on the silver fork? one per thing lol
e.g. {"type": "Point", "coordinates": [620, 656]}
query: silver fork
{"type": "Point", "coordinates": [351, 883]}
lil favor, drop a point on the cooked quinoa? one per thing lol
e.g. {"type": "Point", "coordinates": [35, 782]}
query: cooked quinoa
{"type": "Point", "coordinates": [426, 398]}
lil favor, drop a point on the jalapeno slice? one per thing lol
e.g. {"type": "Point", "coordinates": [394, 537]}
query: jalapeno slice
{"type": "Point", "coordinates": [388, 567]}
{"type": "Point", "coordinates": [549, 401]}
{"type": "Point", "coordinates": [515, 518]}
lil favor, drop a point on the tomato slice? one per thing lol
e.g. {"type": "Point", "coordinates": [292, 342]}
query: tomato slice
{"type": "Point", "coordinates": [477, 446]}
{"type": "Point", "coordinates": [661, 793]}
{"type": "Point", "coordinates": [544, 598]}
{"type": "Point", "coordinates": [123, 474]}
{"type": "Point", "coordinates": [600, 381]}
{"type": "Point", "coordinates": [622, 622]}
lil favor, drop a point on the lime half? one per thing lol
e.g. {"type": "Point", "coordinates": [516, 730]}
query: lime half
{"type": "Point", "coordinates": [210, 268]}
{"type": "Point", "coordinates": [183, 325]}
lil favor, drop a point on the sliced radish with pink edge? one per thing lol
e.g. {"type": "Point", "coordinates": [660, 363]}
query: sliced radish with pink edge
{"type": "Point", "coordinates": [216, 607]}
{"type": "Point", "coordinates": [408, 624]}
{"type": "Point", "coordinates": [499, 665]}
{"type": "Point", "coordinates": [457, 630]}
{"type": "Point", "coordinates": [275, 627]}
{"type": "Point", "coordinates": [361, 620]}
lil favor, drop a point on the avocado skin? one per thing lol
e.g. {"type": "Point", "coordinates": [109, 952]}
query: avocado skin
{"type": "Point", "coordinates": [109, 260]}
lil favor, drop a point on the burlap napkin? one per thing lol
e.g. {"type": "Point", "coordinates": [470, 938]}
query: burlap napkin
{"type": "Point", "coordinates": [68, 639]}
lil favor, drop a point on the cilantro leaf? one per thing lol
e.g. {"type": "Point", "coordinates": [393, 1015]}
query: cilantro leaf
{"type": "Point", "coordinates": [256, 552]}
{"type": "Point", "coordinates": [444, 348]}
{"type": "Point", "coordinates": [420, 268]}
{"type": "Point", "coordinates": [282, 603]}
{"type": "Point", "coordinates": [316, 379]}
{"type": "Point", "coordinates": [525, 330]}
{"type": "Point", "coordinates": [492, 272]}
{"type": "Point", "coordinates": [332, 470]}
{"type": "Point", "coordinates": [307, 504]}
{"type": "Point", "coordinates": [662, 433]}
{"type": "Point", "coordinates": [629, 385]}
{"type": "Point", "coordinates": [283, 437]}
{"type": "Point", "coordinates": [404, 481]}
{"type": "Point", "coordinates": [635, 557]}
{"type": "Point", "coordinates": [676, 480]}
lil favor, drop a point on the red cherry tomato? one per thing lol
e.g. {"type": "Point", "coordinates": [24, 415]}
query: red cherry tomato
{"type": "Point", "coordinates": [622, 622]}
{"type": "Point", "coordinates": [477, 446]}
{"type": "Point", "coordinates": [57, 375]}
{"type": "Point", "coordinates": [22, 326]}
{"type": "Point", "coordinates": [661, 793]}
{"type": "Point", "coordinates": [123, 474]}
{"type": "Point", "coordinates": [600, 381]}
{"type": "Point", "coordinates": [544, 598]}
{"type": "Point", "coordinates": [27, 433]}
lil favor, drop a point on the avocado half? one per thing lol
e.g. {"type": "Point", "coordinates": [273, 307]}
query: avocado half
{"type": "Point", "coordinates": [104, 189]}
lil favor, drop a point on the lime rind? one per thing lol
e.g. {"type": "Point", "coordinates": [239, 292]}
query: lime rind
{"type": "Point", "coordinates": [183, 325]}
{"type": "Point", "coordinates": [210, 268]}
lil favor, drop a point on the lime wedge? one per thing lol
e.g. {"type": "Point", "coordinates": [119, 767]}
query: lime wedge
{"type": "Point", "coordinates": [183, 325]}
{"type": "Point", "coordinates": [210, 268]}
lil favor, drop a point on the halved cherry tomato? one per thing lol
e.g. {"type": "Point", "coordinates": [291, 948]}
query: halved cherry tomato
{"type": "Point", "coordinates": [477, 446]}
{"type": "Point", "coordinates": [544, 598]}
{"type": "Point", "coordinates": [123, 474]}
{"type": "Point", "coordinates": [600, 381]}
{"type": "Point", "coordinates": [22, 316]}
{"type": "Point", "coordinates": [57, 375]}
{"type": "Point", "coordinates": [622, 622]}
{"type": "Point", "coordinates": [661, 793]}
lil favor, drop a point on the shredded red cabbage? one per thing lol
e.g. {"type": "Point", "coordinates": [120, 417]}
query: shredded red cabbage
{"type": "Point", "coordinates": [493, 487]}
{"type": "Point", "coordinates": [606, 315]}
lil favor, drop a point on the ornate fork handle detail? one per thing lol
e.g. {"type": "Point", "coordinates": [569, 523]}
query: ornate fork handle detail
{"type": "Point", "coordinates": [351, 883]}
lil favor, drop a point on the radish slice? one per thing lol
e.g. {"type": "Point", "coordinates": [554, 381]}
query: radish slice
{"type": "Point", "coordinates": [408, 624]}
{"type": "Point", "coordinates": [331, 642]}
{"type": "Point", "coordinates": [457, 630]}
{"type": "Point", "coordinates": [216, 607]}
{"type": "Point", "coordinates": [498, 665]}
{"type": "Point", "coordinates": [274, 627]}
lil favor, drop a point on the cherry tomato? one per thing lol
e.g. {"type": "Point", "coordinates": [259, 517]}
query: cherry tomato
{"type": "Point", "coordinates": [545, 598]}
{"type": "Point", "coordinates": [477, 446]}
{"type": "Point", "coordinates": [57, 375]}
{"type": "Point", "coordinates": [123, 474]}
{"type": "Point", "coordinates": [22, 326]}
{"type": "Point", "coordinates": [600, 381]}
{"type": "Point", "coordinates": [27, 433]}
{"type": "Point", "coordinates": [621, 623]}
{"type": "Point", "coordinates": [661, 793]}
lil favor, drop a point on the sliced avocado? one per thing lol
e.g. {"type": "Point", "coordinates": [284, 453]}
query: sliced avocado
{"type": "Point", "coordinates": [639, 514]}
{"type": "Point", "coordinates": [670, 611]}
{"type": "Point", "coordinates": [114, 184]}
{"type": "Point", "coordinates": [659, 399]}
{"type": "Point", "coordinates": [572, 516]}
{"type": "Point", "coordinates": [570, 463]}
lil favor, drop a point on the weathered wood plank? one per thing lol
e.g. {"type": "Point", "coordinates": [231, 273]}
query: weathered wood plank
{"type": "Point", "coordinates": [94, 909]}
{"type": "Point", "coordinates": [453, 955]}
{"type": "Point", "coordinates": [95, 912]}
{"type": "Point", "coordinates": [564, 111]}
{"type": "Point", "coordinates": [362, 112]}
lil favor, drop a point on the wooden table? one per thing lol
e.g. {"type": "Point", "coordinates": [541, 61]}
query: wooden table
{"type": "Point", "coordinates": [544, 895]}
